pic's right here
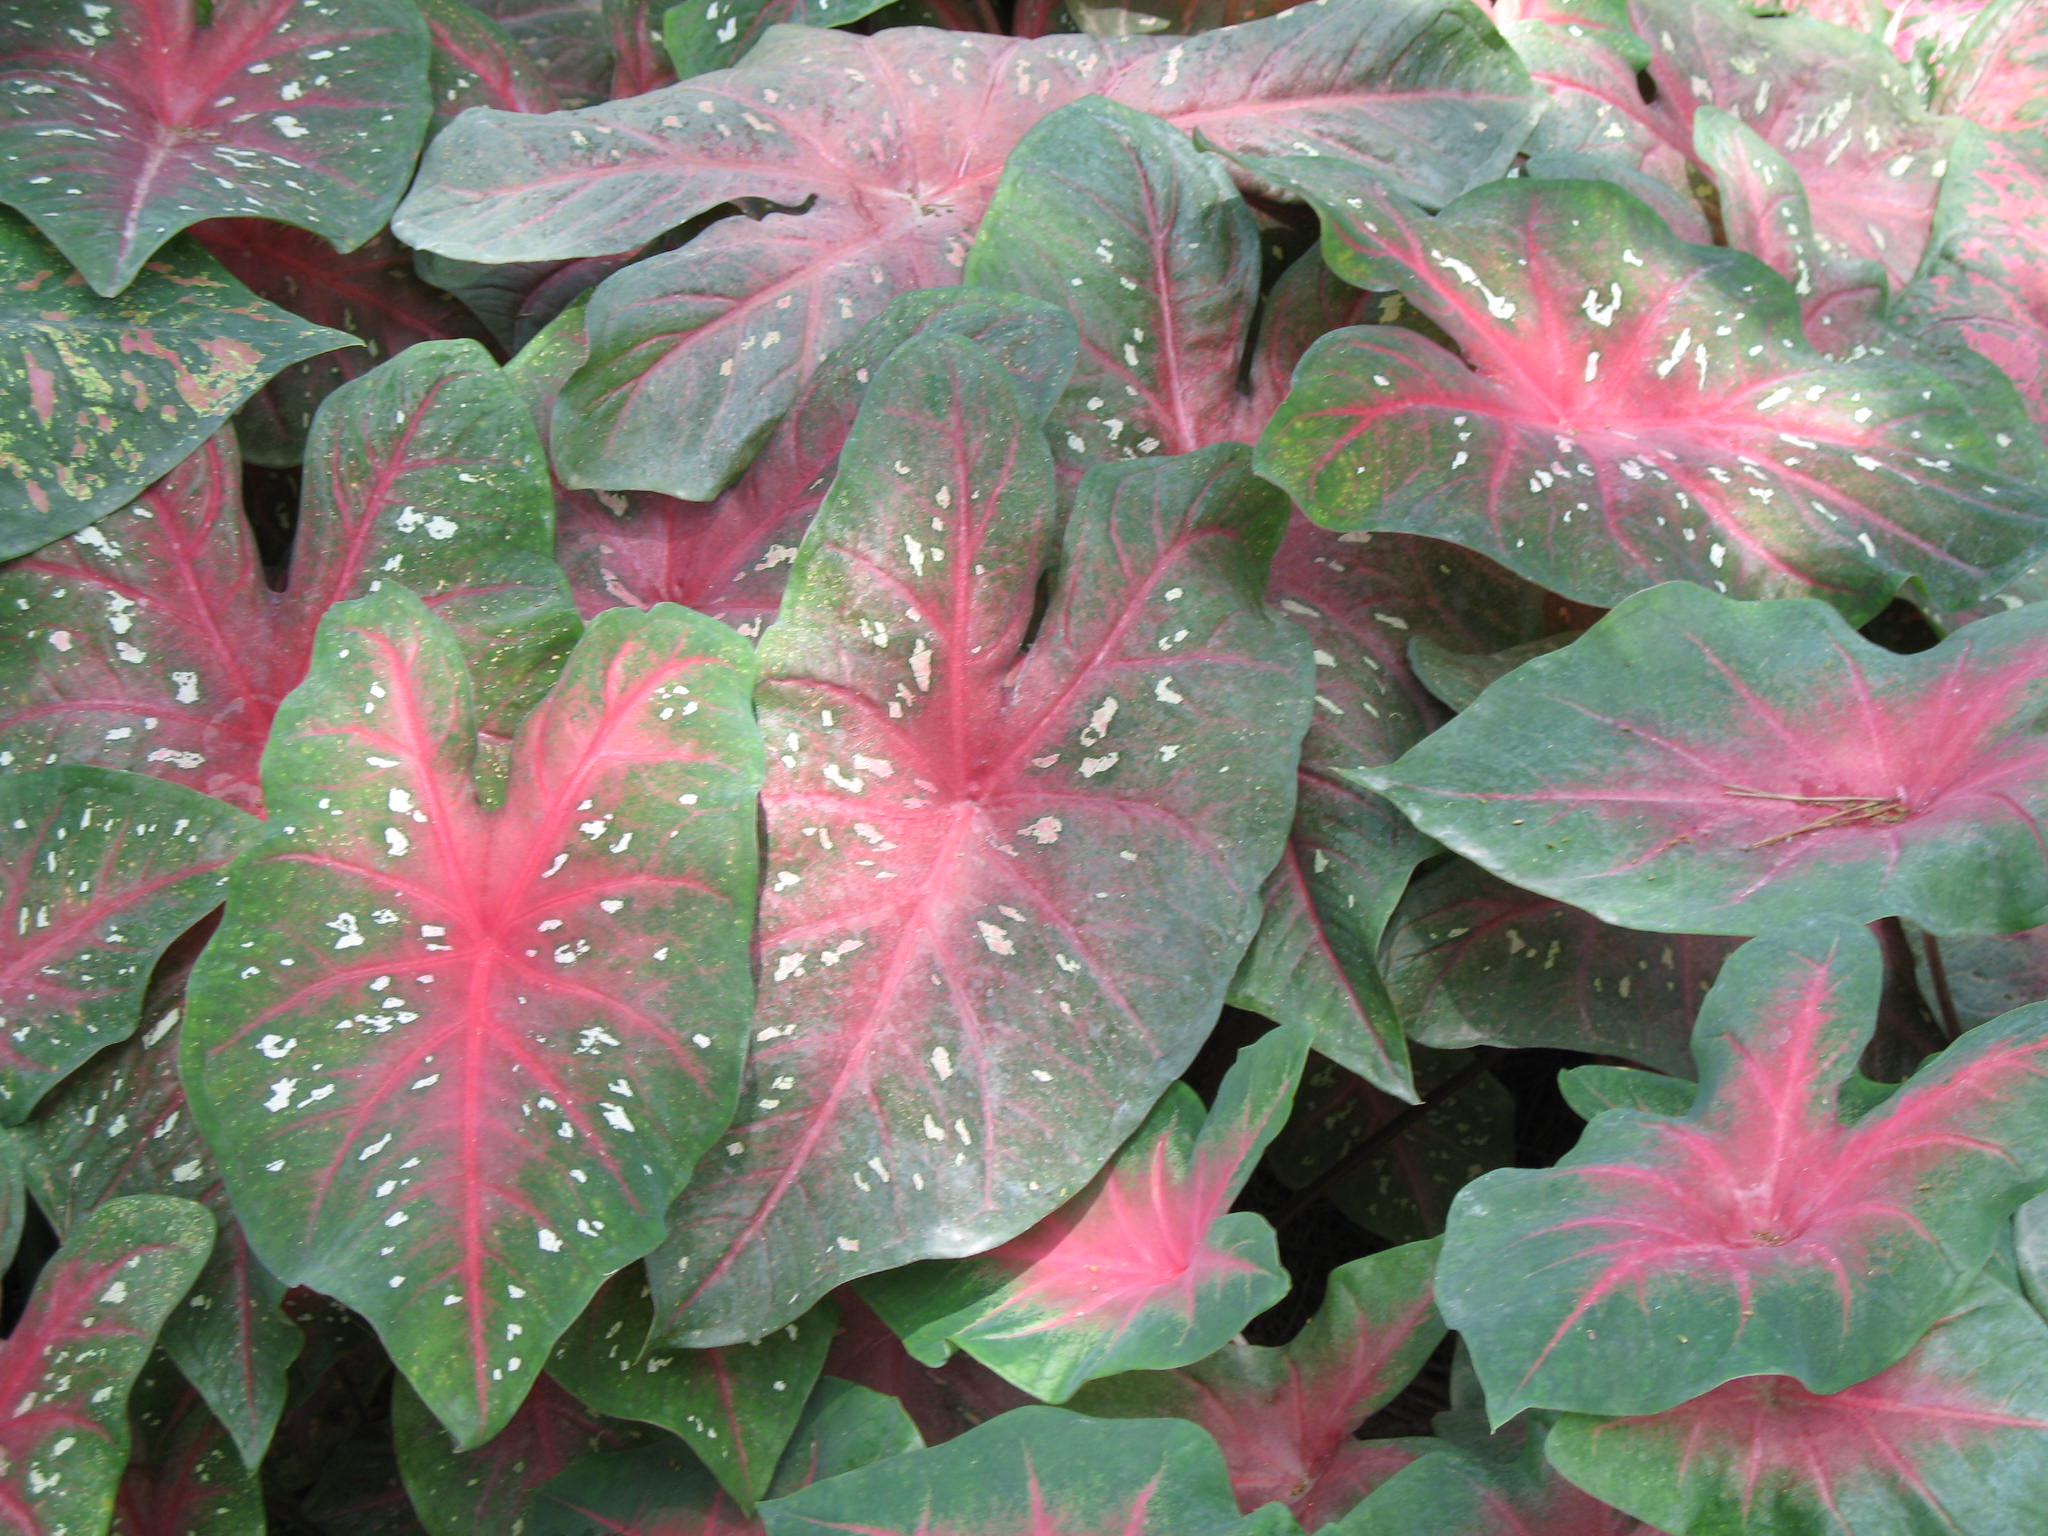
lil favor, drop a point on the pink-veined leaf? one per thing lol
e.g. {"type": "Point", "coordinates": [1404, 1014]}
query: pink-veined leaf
{"type": "Point", "coordinates": [120, 1126]}
{"type": "Point", "coordinates": [1762, 1232]}
{"type": "Point", "coordinates": [541, 1005]}
{"type": "Point", "coordinates": [1385, 1164]}
{"type": "Point", "coordinates": [567, 39]}
{"type": "Point", "coordinates": [661, 1490]}
{"type": "Point", "coordinates": [475, 63]}
{"type": "Point", "coordinates": [151, 641]}
{"type": "Point", "coordinates": [1473, 1486]}
{"type": "Point", "coordinates": [1952, 1439]}
{"type": "Point", "coordinates": [1286, 1416]}
{"type": "Point", "coordinates": [639, 61]}
{"type": "Point", "coordinates": [730, 557]}
{"type": "Point", "coordinates": [105, 395]}
{"type": "Point", "coordinates": [720, 333]}
{"type": "Point", "coordinates": [124, 123]}
{"type": "Point", "coordinates": [99, 873]}
{"type": "Point", "coordinates": [71, 1361]}
{"type": "Point", "coordinates": [705, 35]}
{"type": "Point", "coordinates": [1997, 74]}
{"type": "Point", "coordinates": [1036, 1472]}
{"type": "Point", "coordinates": [1472, 960]}
{"type": "Point", "coordinates": [1629, 409]}
{"type": "Point", "coordinates": [944, 1402]}
{"type": "Point", "coordinates": [1692, 764]}
{"type": "Point", "coordinates": [1146, 1269]}
{"type": "Point", "coordinates": [1010, 882]}
{"type": "Point", "coordinates": [458, 1493]}
{"type": "Point", "coordinates": [370, 293]}
{"type": "Point", "coordinates": [735, 1407]}
{"type": "Point", "coordinates": [184, 1475]}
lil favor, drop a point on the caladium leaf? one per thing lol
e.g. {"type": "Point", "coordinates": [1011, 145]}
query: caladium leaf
{"type": "Point", "coordinates": [1997, 74]}
{"type": "Point", "coordinates": [1697, 765]}
{"type": "Point", "coordinates": [704, 35]}
{"type": "Point", "coordinates": [1485, 1489]}
{"type": "Point", "coordinates": [1472, 960]}
{"type": "Point", "coordinates": [153, 642]}
{"type": "Point", "coordinates": [123, 124]}
{"type": "Point", "coordinates": [915, 734]}
{"type": "Point", "coordinates": [184, 1475]}
{"type": "Point", "coordinates": [103, 871]}
{"type": "Point", "coordinates": [1761, 1233]}
{"type": "Point", "coordinates": [107, 394]}
{"type": "Point", "coordinates": [370, 293]}
{"type": "Point", "coordinates": [736, 1407]}
{"type": "Point", "coordinates": [639, 61]}
{"type": "Point", "coordinates": [567, 39]}
{"type": "Point", "coordinates": [464, 1493]}
{"type": "Point", "coordinates": [13, 1198]}
{"type": "Point", "coordinates": [475, 63]}
{"type": "Point", "coordinates": [1147, 1269]}
{"type": "Point", "coordinates": [1176, 16]}
{"type": "Point", "coordinates": [120, 1126]}
{"type": "Point", "coordinates": [1596, 1088]}
{"type": "Point", "coordinates": [1985, 977]}
{"type": "Point", "coordinates": [580, 1011]}
{"type": "Point", "coordinates": [730, 557]}
{"type": "Point", "coordinates": [720, 333]}
{"type": "Point", "coordinates": [68, 1366]}
{"type": "Point", "coordinates": [1457, 678]}
{"type": "Point", "coordinates": [1390, 1166]}
{"type": "Point", "coordinates": [1036, 1472]}
{"type": "Point", "coordinates": [1600, 432]}
{"type": "Point", "coordinates": [1286, 1417]}
{"type": "Point", "coordinates": [661, 1490]}
{"type": "Point", "coordinates": [1912, 1449]}
{"type": "Point", "coordinates": [944, 1402]}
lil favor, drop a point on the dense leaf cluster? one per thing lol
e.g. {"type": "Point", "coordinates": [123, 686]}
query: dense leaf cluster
{"type": "Point", "coordinates": [795, 767]}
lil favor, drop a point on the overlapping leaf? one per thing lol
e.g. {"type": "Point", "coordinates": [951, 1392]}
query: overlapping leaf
{"type": "Point", "coordinates": [153, 642]}
{"type": "Point", "coordinates": [1997, 74]}
{"type": "Point", "coordinates": [1286, 1417]}
{"type": "Point", "coordinates": [899, 138]}
{"type": "Point", "coordinates": [1984, 977]}
{"type": "Point", "coordinates": [371, 293]}
{"type": "Point", "coordinates": [120, 1126]}
{"type": "Point", "coordinates": [1629, 409]}
{"type": "Point", "coordinates": [704, 35]}
{"type": "Point", "coordinates": [126, 122]}
{"type": "Point", "coordinates": [736, 1408]}
{"type": "Point", "coordinates": [455, 1061]}
{"type": "Point", "coordinates": [105, 395]}
{"type": "Point", "coordinates": [68, 1366]}
{"type": "Point", "coordinates": [1472, 960]}
{"type": "Point", "coordinates": [102, 872]}
{"type": "Point", "coordinates": [1471, 1486]}
{"type": "Point", "coordinates": [184, 1476]}
{"type": "Point", "coordinates": [1147, 1269]}
{"type": "Point", "coordinates": [1697, 765]}
{"type": "Point", "coordinates": [1037, 1472]}
{"type": "Point", "coordinates": [475, 63]}
{"type": "Point", "coordinates": [1953, 1438]}
{"type": "Point", "coordinates": [1762, 1233]}
{"type": "Point", "coordinates": [1005, 887]}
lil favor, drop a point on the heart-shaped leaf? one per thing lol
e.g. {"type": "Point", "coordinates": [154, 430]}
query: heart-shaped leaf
{"type": "Point", "coordinates": [103, 871]}
{"type": "Point", "coordinates": [124, 123]}
{"type": "Point", "coordinates": [1997, 74]}
{"type": "Point", "coordinates": [1628, 409]}
{"type": "Point", "coordinates": [1472, 960]}
{"type": "Point", "coordinates": [120, 1126]}
{"type": "Point", "coordinates": [1016, 876]}
{"type": "Point", "coordinates": [105, 395]}
{"type": "Point", "coordinates": [1147, 1269]}
{"type": "Point", "coordinates": [1697, 765]}
{"type": "Point", "coordinates": [370, 293]}
{"type": "Point", "coordinates": [1035, 1472]}
{"type": "Point", "coordinates": [68, 1366]}
{"type": "Point", "coordinates": [183, 1475]}
{"type": "Point", "coordinates": [1953, 1438]}
{"type": "Point", "coordinates": [1286, 1417]}
{"type": "Point", "coordinates": [475, 63]}
{"type": "Point", "coordinates": [1485, 1489]}
{"type": "Point", "coordinates": [153, 642]}
{"type": "Point", "coordinates": [717, 336]}
{"type": "Point", "coordinates": [736, 1407]}
{"type": "Point", "coordinates": [1761, 1233]}
{"type": "Point", "coordinates": [531, 1061]}
{"type": "Point", "coordinates": [661, 1490]}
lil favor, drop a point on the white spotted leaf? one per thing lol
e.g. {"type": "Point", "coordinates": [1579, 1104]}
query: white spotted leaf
{"type": "Point", "coordinates": [67, 1368]}
{"type": "Point", "coordinates": [1631, 409]}
{"type": "Point", "coordinates": [1005, 885]}
{"type": "Point", "coordinates": [455, 1059]}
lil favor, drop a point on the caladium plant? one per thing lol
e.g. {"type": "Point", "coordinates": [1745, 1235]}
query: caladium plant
{"type": "Point", "coordinates": [1007, 768]}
